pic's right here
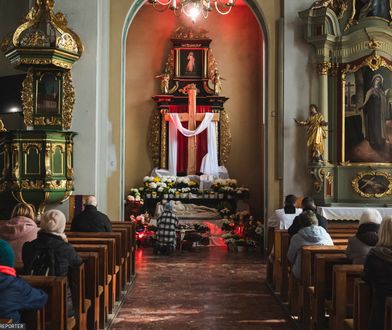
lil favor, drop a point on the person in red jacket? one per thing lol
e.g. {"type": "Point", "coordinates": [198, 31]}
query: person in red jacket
{"type": "Point", "coordinates": [16, 294]}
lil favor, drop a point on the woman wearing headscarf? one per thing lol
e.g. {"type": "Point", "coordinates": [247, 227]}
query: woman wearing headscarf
{"type": "Point", "coordinates": [366, 237]}
{"type": "Point", "coordinates": [51, 237]}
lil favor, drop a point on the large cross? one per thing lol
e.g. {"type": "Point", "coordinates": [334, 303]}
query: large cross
{"type": "Point", "coordinates": [192, 117]}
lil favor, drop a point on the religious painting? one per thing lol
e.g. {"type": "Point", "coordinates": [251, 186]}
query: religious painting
{"type": "Point", "coordinates": [373, 184]}
{"type": "Point", "coordinates": [47, 91]}
{"type": "Point", "coordinates": [368, 115]}
{"type": "Point", "coordinates": [372, 8]}
{"type": "Point", "coordinates": [190, 63]}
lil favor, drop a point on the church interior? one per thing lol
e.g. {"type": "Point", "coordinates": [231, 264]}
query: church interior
{"type": "Point", "coordinates": [220, 164]}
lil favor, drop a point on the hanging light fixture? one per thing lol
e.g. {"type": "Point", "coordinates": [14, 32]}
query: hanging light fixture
{"type": "Point", "coordinates": [193, 8]}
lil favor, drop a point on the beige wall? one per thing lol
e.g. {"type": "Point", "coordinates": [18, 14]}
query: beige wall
{"type": "Point", "coordinates": [236, 45]}
{"type": "Point", "coordinates": [242, 90]}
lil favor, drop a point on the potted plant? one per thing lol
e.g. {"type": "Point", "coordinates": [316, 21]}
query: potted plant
{"type": "Point", "coordinates": [241, 244]}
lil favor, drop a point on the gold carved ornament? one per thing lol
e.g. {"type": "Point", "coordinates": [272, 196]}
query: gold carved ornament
{"type": "Point", "coordinates": [56, 184]}
{"type": "Point", "coordinates": [225, 137]}
{"type": "Point", "coordinates": [27, 98]}
{"type": "Point", "coordinates": [48, 170]}
{"type": "Point", "coordinates": [31, 184]}
{"type": "Point", "coordinates": [356, 181]}
{"type": "Point", "coordinates": [338, 6]}
{"type": "Point", "coordinates": [374, 62]}
{"type": "Point", "coordinates": [68, 100]}
{"type": "Point", "coordinates": [70, 171]}
{"type": "Point", "coordinates": [154, 144]}
{"type": "Point", "coordinates": [34, 39]}
{"type": "Point", "coordinates": [323, 68]}
{"type": "Point", "coordinates": [188, 33]}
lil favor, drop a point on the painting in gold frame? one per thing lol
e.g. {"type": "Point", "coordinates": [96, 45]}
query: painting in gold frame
{"type": "Point", "coordinates": [373, 184]}
{"type": "Point", "coordinates": [367, 112]}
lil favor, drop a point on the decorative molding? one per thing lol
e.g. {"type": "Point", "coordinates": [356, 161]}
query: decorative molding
{"type": "Point", "coordinates": [359, 186]}
{"type": "Point", "coordinates": [35, 39]}
{"type": "Point", "coordinates": [27, 98]}
{"type": "Point", "coordinates": [68, 101]}
{"type": "Point", "coordinates": [225, 137]}
{"type": "Point", "coordinates": [374, 62]}
{"type": "Point", "coordinates": [188, 33]}
{"type": "Point", "coordinates": [153, 138]}
{"type": "Point", "coordinates": [323, 68]}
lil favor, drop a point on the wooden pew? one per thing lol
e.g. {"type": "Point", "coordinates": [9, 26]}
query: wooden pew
{"type": "Point", "coordinates": [103, 287]}
{"type": "Point", "coordinates": [81, 304]}
{"type": "Point", "coordinates": [307, 275]}
{"type": "Point", "coordinates": [33, 319]}
{"type": "Point", "coordinates": [362, 305]}
{"type": "Point", "coordinates": [343, 293]}
{"type": "Point", "coordinates": [56, 307]}
{"type": "Point", "coordinates": [113, 254]}
{"type": "Point", "coordinates": [320, 293]}
{"type": "Point", "coordinates": [91, 262]}
{"type": "Point", "coordinates": [388, 314]}
{"type": "Point", "coordinates": [281, 265]}
{"type": "Point", "coordinates": [131, 229]}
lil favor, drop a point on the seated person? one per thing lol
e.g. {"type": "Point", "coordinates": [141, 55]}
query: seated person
{"type": "Point", "coordinates": [378, 273]}
{"type": "Point", "coordinates": [366, 237]}
{"type": "Point", "coordinates": [16, 294]}
{"type": "Point", "coordinates": [21, 228]}
{"type": "Point", "coordinates": [90, 219]}
{"type": "Point", "coordinates": [166, 230]}
{"type": "Point", "coordinates": [309, 234]}
{"type": "Point", "coordinates": [307, 205]}
{"type": "Point", "coordinates": [52, 242]}
{"type": "Point", "coordinates": [283, 218]}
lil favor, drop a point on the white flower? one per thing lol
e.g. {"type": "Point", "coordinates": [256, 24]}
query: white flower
{"type": "Point", "coordinates": [160, 189]}
{"type": "Point", "coordinates": [153, 185]}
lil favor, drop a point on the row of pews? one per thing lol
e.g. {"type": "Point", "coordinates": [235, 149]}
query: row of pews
{"type": "Point", "coordinates": [330, 293]}
{"type": "Point", "coordinates": [98, 285]}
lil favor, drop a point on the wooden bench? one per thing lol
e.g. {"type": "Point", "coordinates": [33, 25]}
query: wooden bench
{"type": "Point", "coordinates": [320, 293]}
{"type": "Point", "coordinates": [75, 238]}
{"type": "Point", "coordinates": [103, 287]}
{"type": "Point", "coordinates": [343, 293]}
{"type": "Point", "coordinates": [307, 275]}
{"type": "Point", "coordinates": [56, 307]}
{"type": "Point", "coordinates": [91, 265]}
{"type": "Point", "coordinates": [281, 265]}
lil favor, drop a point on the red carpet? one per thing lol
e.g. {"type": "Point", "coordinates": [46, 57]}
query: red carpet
{"type": "Point", "coordinates": [203, 289]}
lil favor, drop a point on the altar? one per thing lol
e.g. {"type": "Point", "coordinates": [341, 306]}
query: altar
{"type": "Point", "coordinates": [349, 213]}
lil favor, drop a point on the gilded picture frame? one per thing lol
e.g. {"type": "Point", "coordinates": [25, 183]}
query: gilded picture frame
{"type": "Point", "coordinates": [373, 184]}
{"type": "Point", "coordinates": [191, 63]}
{"type": "Point", "coordinates": [366, 112]}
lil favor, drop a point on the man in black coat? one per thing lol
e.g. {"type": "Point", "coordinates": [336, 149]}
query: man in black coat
{"type": "Point", "coordinates": [90, 219]}
{"type": "Point", "coordinates": [307, 204]}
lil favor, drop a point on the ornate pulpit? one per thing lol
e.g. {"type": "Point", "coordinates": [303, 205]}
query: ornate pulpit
{"type": "Point", "coordinates": [190, 87]}
{"type": "Point", "coordinates": [36, 165]}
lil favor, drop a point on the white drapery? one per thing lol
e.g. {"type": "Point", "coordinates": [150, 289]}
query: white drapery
{"type": "Point", "coordinates": [209, 164]}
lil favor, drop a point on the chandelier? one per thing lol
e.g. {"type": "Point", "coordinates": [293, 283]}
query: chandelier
{"type": "Point", "coordinates": [193, 8]}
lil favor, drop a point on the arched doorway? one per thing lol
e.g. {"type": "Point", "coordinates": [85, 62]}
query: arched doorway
{"type": "Point", "coordinates": [240, 44]}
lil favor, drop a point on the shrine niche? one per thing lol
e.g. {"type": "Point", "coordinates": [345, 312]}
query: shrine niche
{"type": "Point", "coordinates": [190, 100]}
{"type": "Point", "coordinates": [354, 62]}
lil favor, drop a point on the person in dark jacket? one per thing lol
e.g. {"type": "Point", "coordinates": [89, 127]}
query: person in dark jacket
{"type": "Point", "coordinates": [307, 205]}
{"type": "Point", "coordinates": [378, 273]}
{"type": "Point", "coordinates": [51, 236]}
{"type": "Point", "coordinates": [90, 219]}
{"type": "Point", "coordinates": [16, 294]}
{"type": "Point", "coordinates": [366, 237]}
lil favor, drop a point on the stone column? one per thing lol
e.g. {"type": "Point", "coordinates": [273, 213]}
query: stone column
{"type": "Point", "coordinates": [323, 98]}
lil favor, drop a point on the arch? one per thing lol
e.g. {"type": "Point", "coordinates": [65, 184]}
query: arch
{"type": "Point", "coordinates": [257, 11]}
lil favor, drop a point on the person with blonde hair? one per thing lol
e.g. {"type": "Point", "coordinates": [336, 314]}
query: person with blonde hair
{"type": "Point", "coordinates": [21, 228]}
{"type": "Point", "coordinates": [51, 245]}
{"type": "Point", "coordinates": [378, 273]}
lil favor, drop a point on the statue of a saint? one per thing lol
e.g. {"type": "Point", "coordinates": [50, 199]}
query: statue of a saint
{"type": "Point", "coordinates": [316, 133]}
{"type": "Point", "coordinates": [165, 79]}
{"type": "Point", "coordinates": [217, 81]}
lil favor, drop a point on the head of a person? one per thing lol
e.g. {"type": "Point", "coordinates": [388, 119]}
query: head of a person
{"type": "Point", "coordinates": [308, 204]}
{"type": "Point", "coordinates": [91, 200]}
{"type": "Point", "coordinates": [168, 207]}
{"type": "Point", "coordinates": [313, 109]}
{"type": "Point", "coordinates": [370, 216]}
{"type": "Point", "coordinates": [23, 210]}
{"type": "Point", "coordinates": [290, 200]}
{"type": "Point", "coordinates": [385, 232]}
{"type": "Point", "coordinates": [7, 256]}
{"type": "Point", "coordinates": [308, 218]}
{"type": "Point", "coordinates": [53, 221]}
{"type": "Point", "coordinates": [377, 81]}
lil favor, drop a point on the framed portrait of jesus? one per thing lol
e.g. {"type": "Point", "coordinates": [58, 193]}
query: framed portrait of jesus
{"type": "Point", "coordinates": [190, 63]}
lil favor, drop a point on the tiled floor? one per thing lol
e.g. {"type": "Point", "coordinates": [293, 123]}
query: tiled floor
{"type": "Point", "coordinates": [204, 289]}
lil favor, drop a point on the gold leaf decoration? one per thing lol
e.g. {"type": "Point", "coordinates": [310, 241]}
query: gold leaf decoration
{"type": "Point", "coordinates": [153, 138]}
{"type": "Point", "coordinates": [225, 138]}
{"type": "Point", "coordinates": [27, 98]}
{"type": "Point", "coordinates": [68, 101]}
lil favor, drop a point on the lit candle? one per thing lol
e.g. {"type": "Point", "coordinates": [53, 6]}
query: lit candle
{"type": "Point", "coordinates": [173, 5]}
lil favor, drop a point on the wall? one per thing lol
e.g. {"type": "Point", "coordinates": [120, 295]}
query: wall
{"type": "Point", "coordinates": [300, 90]}
{"type": "Point", "coordinates": [148, 43]}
